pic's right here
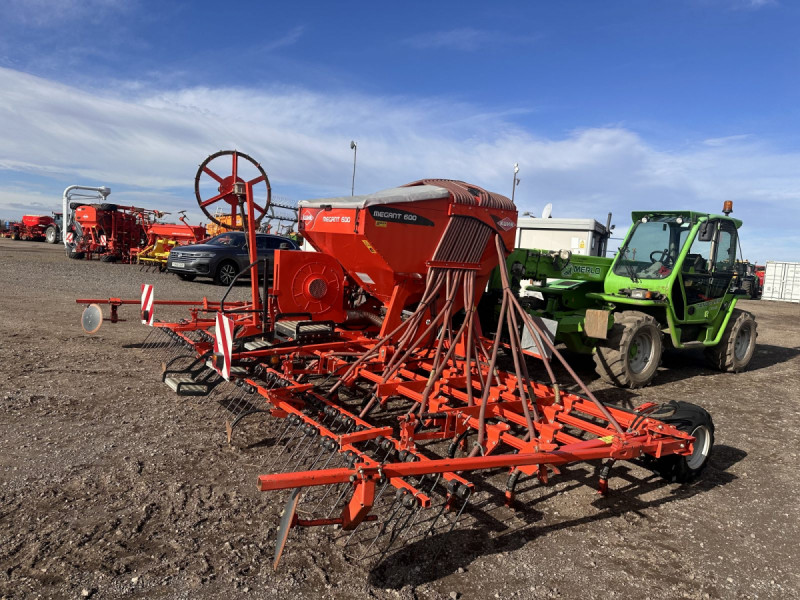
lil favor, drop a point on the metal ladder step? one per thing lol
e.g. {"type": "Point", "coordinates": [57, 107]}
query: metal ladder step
{"type": "Point", "coordinates": [183, 385]}
{"type": "Point", "coordinates": [257, 345]}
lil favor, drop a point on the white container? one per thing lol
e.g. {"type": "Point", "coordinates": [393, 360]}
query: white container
{"type": "Point", "coordinates": [782, 281]}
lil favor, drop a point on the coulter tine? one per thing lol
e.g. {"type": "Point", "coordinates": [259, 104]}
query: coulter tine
{"type": "Point", "coordinates": [394, 508]}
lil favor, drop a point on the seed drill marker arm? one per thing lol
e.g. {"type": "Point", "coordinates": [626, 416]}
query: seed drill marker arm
{"type": "Point", "coordinates": [370, 353]}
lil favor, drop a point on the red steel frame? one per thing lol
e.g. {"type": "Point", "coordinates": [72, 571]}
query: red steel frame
{"type": "Point", "coordinates": [531, 432]}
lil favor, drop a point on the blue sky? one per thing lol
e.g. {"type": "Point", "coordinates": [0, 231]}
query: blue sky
{"type": "Point", "coordinates": [606, 106]}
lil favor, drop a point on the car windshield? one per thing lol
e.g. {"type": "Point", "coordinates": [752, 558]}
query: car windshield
{"type": "Point", "coordinates": [652, 248]}
{"type": "Point", "coordinates": [226, 239]}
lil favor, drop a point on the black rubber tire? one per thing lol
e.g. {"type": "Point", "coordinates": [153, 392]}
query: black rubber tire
{"type": "Point", "coordinates": [74, 205]}
{"type": "Point", "coordinates": [109, 258]}
{"type": "Point", "coordinates": [724, 356]}
{"type": "Point", "coordinates": [108, 207]}
{"type": "Point", "coordinates": [15, 236]}
{"type": "Point", "coordinates": [696, 421]}
{"type": "Point", "coordinates": [225, 273]}
{"type": "Point", "coordinates": [51, 234]}
{"type": "Point", "coordinates": [186, 276]}
{"type": "Point", "coordinates": [75, 255]}
{"type": "Point", "coordinates": [747, 287]}
{"type": "Point", "coordinates": [612, 357]}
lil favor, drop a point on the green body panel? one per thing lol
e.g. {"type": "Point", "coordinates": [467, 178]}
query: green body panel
{"type": "Point", "coordinates": [580, 283]}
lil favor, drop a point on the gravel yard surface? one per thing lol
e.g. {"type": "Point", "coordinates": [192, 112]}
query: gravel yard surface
{"type": "Point", "coordinates": [113, 487]}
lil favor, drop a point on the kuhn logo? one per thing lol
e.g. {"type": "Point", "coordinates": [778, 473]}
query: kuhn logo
{"type": "Point", "coordinates": [506, 224]}
{"type": "Point", "coordinates": [307, 216]}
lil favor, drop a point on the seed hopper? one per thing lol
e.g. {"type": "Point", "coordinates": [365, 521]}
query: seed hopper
{"type": "Point", "coordinates": [389, 394]}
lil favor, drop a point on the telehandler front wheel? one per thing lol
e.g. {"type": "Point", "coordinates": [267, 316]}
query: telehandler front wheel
{"type": "Point", "coordinates": [631, 354]}
{"type": "Point", "coordinates": [737, 345]}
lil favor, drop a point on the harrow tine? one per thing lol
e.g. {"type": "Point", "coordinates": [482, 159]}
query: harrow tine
{"type": "Point", "coordinates": [385, 523]}
{"type": "Point", "coordinates": [283, 449]}
{"type": "Point", "coordinates": [275, 446]}
{"type": "Point", "coordinates": [455, 521]}
{"type": "Point", "coordinates": [394, 534]}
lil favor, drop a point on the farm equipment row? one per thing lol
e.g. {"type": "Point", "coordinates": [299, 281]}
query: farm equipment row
{"type": "Point", "coordinates": [35, 228]}
{"type": "Point", "coordinates": [390, 392]}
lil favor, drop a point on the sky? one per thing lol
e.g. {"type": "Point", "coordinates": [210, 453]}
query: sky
{"type": "Point", "coordinates": [607, 106]}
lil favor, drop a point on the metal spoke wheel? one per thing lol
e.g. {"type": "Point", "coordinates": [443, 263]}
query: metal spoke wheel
{"type": "Point", "coordinates": [231, 189]}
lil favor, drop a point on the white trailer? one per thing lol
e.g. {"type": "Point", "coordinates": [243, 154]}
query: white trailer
{"type": "Point", "coordinates": [782, 281]}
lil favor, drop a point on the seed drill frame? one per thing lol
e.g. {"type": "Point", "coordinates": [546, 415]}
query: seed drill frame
{"type": "Point", "coordinates": [389, 392]}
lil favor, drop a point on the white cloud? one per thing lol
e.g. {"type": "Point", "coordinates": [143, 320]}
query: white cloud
{"type": "Point", "coordinates": [150, 144]}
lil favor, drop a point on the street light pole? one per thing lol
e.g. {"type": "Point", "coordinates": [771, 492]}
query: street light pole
{"type": "Point", "coordinates": [515, 182]}
{"type": "Point", "coordinates": [354, 148]}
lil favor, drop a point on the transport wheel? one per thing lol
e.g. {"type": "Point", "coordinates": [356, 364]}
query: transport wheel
{"type": "Point", "coordinates": [631, 354]}
{"type": "Point", "coordinates": [15, 236]}
{"type": "Point", "coordinates": [187, 276]}
{"type": "Point", "coordinates": [696, 421]}
{"type": "Point", "coordinates": [108, 258]}
{"type": "Point", "coordinates": [51, 235]}
{"type": "Point", "coordinates": [71, 253]}
{"type": "Point", "coordinates": [225, 273]}
{"type": "Point", "coordinates": [737, 345]}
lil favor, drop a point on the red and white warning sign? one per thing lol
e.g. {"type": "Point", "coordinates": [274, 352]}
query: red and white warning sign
{"type": "Point", "coordinates": [103, 240]}
{"type": "Point", "coordinates": [70, 237]}
{"type": "Point", "coordinates": [223, 344]}
{"type": "Point", "coordinates": [147, 304]}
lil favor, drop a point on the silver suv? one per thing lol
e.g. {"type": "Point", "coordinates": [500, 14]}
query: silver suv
{"type": "Point", "coordinates": [224, 256]}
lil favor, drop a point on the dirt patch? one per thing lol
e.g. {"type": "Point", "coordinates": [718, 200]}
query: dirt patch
{"type": "Point", "coordinates": [113, 487]}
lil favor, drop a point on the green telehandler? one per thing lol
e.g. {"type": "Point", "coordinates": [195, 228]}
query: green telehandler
{"type": "Point", "coordinates": [669, 283]}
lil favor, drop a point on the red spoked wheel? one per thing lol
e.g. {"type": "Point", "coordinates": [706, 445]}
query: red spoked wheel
{"type": "Point", "coordinates": [231, 189]}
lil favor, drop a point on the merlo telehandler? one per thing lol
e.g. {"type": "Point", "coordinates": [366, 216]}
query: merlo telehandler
{"type": "Point", "coordinates": [670, 282]}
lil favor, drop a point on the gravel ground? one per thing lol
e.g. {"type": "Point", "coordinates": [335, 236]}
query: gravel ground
{"type": "Point", "coordinates": [112, 487]}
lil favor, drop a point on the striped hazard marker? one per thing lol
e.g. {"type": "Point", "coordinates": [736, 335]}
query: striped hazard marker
{"type": "Point", "coordinates": [223, 344]}
{"type": "Point", "coordinates": [70, 237]}
{"type": "Point", "coordinates": [103, 240]}
{"type": "Point", "coordinates": [147, 304]}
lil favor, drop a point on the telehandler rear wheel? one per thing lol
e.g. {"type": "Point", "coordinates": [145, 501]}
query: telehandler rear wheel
{"type": "Point", "coordinates": [737, 345]}
{"type": "Point", "coordinates": [631, 354]}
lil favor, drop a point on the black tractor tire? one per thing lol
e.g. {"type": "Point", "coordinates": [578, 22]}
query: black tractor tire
{"type": "Point", "coordinates": [632, 353]}
{"type": "Point", "coordinates": [15, 236]}
{"type": "Point", "coordinates": [109, 258]}
{"type": "Point", "coordinates": [747, 287]}
{"type": "Point", "coordinates": [51, 234]}
{"type": "Point", "coordinates": [187, 276]}
{"type": "Point", "coordinates": [225, 273]}
{"type": "Point", "coordinates": [737, 345]}
{"type": "Point", "coordinates": [108, 207]}
{"type": "Point", "coordinates": [71, 253]}
{"type": "Point", "coordinates": [694, 420]}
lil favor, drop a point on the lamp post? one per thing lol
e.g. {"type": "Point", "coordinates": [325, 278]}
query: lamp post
{"type": "Point", "coordinates": [515, 183]}
{"type": "Point", "coordinates": [354, 148]}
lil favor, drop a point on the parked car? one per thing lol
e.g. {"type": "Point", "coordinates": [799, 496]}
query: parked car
{"type": "Point", "coordinates": [223, 256]}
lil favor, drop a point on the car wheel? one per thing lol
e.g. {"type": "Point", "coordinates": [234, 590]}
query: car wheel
{"type": "Point", "coordinates": [226, 273]}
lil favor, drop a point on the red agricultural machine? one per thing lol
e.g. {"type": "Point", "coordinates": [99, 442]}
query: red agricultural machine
{"type": "Point", "coordinates": [163, 237]}
{"type": "Point", "coordinates": [115, 233]}
{"type": "Point", "coordinates": [390, 396]}
{"type": "Point", "coordinates": [31, 228]}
